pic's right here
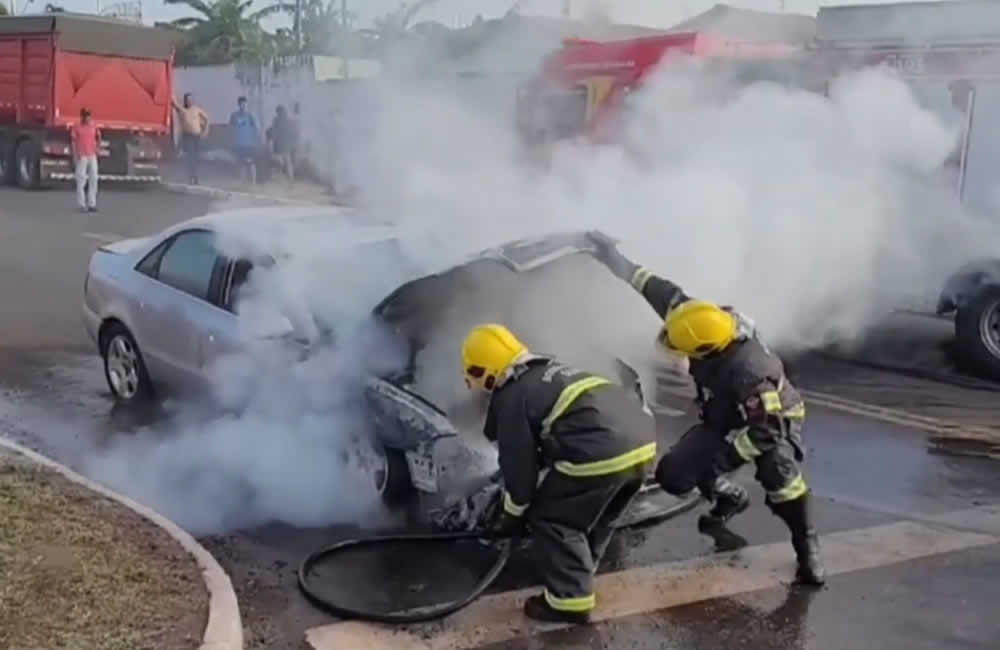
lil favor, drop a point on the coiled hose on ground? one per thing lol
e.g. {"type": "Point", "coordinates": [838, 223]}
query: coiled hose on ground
{"type": "Point", "coordinates": [439, 610]}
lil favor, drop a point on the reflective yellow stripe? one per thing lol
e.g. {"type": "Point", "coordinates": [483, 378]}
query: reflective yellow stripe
{"type": "Point", "coordinates": [611, 465]}
{"type": "Point", "coordinates": [772, 401]}
{"type": "Point", "coordinates": [579, 604]}
{"type": "Point", "coordinates": [567, 397]}
{"type": "Point", "coordinates": [510, 507]}
{"type": "Point", "coordinates": [795, 489]}
{"type": "Point", "coordinates": [744, 445]}
{"type": "Point", "coordinates": [640, 277]}
{"type": "Point", "coordinates": [797, 412]}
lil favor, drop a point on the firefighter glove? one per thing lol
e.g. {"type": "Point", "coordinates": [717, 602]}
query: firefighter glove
{"type": "Point", "coordinates": [507, 525]}
{"type": "Point", "coordinates": [606, 251]}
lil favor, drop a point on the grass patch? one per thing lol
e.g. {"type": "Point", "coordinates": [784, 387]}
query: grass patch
{"type": "Point", "coordinates": [81, 572]}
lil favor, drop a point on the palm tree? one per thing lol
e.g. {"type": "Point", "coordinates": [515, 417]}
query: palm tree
{"type": "Point", "coordinates": [322, 25]}
{"type": "Point", "coordinates": [225, 31]}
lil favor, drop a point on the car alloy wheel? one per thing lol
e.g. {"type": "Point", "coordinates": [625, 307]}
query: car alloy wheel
{"type": "Point", "coordinates": [123, 367]}
{"type": "Point", "coordinates": [381, 473]}
{"type": "Point", "coordinates": [989, 329]}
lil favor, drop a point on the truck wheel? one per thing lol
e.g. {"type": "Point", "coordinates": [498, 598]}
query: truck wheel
{"type": "Point", "coordinates": [6, 164]}
{"type": "Point", "coordinates": [28, 165]}
{"type": "Point", "coordinates": [977, 333]}
{"type": "Point", "coordinates": [392, 477]}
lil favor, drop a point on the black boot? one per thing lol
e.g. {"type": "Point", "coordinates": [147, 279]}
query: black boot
{"type": "Point", "coordinates": [797, 515]}
{"type": "Point", "coordinates": [538, 609]}
{"type": "Point", "coordinates": [730, 500]}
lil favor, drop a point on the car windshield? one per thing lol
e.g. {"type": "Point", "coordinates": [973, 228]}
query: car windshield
{"type": "Point", "coordinates": [320, 291]}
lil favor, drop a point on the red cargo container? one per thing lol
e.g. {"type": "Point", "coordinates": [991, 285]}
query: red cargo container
{"type": "Point", "coordinates": [51, 66]}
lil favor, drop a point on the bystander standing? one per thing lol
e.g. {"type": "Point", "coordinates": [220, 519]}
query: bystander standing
{"type": "Point", "coordinates": [282, 138]}
{"type": "Point", "coordinates": [246, 140]}
{"type": "Point", "coordinates": [85, 140]}
{"type": "Point", "coordinates": [194, 127]}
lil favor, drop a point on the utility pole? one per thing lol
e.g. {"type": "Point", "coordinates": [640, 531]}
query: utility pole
{"type": "Point", "coordinates": [344, 53]}
{"type": "Point", "coordinates": [297, 27]}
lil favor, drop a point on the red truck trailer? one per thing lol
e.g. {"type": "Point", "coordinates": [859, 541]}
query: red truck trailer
{"type": "Point", "coordinates": [51, 66]}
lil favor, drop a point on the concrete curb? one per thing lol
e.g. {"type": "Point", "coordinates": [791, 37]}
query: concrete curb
{"type": "Point", "coordinates": [224, 629]}
{"type": "Point", "coordinates": [222, 194]}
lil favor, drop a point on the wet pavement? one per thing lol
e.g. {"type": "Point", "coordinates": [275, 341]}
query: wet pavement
{"type": "Point", "coordinates": [865, 472]}
{"type": "Point", "coordinates": [938, 603]}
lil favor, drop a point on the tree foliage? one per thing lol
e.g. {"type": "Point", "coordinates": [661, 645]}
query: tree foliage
{"type": "Point", "coordinates": [226, 31]}
{"type": "Point", "coordinates": [223, 31]}
{"type": "Point", "coordinates": [3, 9]}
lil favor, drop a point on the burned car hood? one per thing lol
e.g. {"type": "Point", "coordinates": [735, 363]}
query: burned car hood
{"type": "Point", "coordinates": [549, 290]}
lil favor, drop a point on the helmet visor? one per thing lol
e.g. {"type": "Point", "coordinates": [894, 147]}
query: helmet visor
{"type": "Point", "coordinates": [476, 376]}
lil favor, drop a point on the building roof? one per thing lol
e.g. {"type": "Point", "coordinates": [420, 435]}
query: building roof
{"type": "Point", "coordinates": [749, 25]}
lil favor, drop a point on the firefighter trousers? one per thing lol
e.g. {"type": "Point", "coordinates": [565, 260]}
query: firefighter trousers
{"type": "Point", "coordinates": [572, 521]}
{"type": "Point", "coordinates": [704, 454]}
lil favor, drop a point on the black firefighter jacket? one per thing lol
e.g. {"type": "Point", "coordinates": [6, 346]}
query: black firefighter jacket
{"type": "Point", "coordinates": [744, 384]}
{"type": "Point", "coordinates": [550, 416]}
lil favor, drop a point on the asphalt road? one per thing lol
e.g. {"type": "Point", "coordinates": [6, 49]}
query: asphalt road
{"type": "Point", "coordinates": [895, 588]}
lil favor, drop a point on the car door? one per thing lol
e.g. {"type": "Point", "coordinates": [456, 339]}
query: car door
{"type": "Point", "coordinates": [177, 310]}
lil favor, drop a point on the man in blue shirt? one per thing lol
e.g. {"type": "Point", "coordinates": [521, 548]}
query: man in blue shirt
{"type": "Point", "coordinates": [246, 141]}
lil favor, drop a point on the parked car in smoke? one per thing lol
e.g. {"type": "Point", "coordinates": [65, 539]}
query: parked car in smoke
{"type": "Point", "coordinates": [162, 310]}
{"type": "Point", "coordinates": [972, 296]}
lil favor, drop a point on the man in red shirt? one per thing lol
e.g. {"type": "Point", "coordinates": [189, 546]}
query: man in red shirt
{"type": "Point", "coordinates": [85, 137]}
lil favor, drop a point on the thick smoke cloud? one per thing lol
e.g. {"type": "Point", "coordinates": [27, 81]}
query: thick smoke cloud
{"type": "Point", "coordinates": [813, 215]}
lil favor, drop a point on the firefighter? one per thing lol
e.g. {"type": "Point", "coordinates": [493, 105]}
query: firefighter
{"type": "Point", "coordinates": [749, 411]}
{"type": "Point", "coordinates": [574, 450]}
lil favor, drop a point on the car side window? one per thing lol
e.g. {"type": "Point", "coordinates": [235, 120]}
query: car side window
{"type": "Point", "coordinates": [188, 264]}
{"type": "Point", "coordinates": [149, 264]}
{"type": "Point", "coordinates": [238, 279]}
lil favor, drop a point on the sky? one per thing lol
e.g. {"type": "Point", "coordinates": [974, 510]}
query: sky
{"type": "Point", "coordinates": [654, 13]}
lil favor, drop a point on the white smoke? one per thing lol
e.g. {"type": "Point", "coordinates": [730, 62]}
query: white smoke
{"type": "Point", "coordinates": [813, 215]}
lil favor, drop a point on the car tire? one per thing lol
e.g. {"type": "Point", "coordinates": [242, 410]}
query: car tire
{"type": "Point", "coordinates": [124, 369]}
{"type": "Point", "coordinates": [977, 333]}
{"type": "Point", "coordinates": [392, 477]}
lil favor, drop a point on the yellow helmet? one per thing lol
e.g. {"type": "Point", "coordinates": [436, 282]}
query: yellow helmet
{"type": "Point", "coordinates": [487, 352]}
{"type": "Point", "coordinates": [696, 328]}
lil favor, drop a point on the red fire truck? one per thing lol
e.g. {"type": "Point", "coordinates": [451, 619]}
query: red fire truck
{"type": "Point", "coordinates": [582, 88]}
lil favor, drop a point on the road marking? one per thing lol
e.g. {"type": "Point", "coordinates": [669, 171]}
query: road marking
{"type": "Point", "coordinates": [893, 416]}
{"type": "Point", "coordinates": [498, 618]}
{"type": "Point", "coordinates": [905, 418]}
{"type": "Point", "coordinates": [102, 236]}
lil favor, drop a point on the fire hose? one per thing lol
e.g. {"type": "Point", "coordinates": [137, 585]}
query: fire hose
{"type": "Point", "coordinates": [424, 613]}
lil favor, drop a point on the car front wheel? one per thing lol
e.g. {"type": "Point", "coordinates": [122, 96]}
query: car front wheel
{"type": "Point", "coordinates": [124, 368]}
{"type": "Point", "coordinates": [392, 477]}
{"type": "Point", "coordinates": [977, 333]}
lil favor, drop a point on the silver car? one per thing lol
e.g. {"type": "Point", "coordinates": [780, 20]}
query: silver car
{"type": "Point", "coordinates": [161, 311]}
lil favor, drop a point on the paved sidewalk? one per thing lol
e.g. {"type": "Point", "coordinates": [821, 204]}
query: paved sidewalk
{"type": "Point", "coordinates": [220, 181]}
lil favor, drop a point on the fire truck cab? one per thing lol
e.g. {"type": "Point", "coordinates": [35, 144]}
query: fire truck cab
{"type": "Point", "coordinates": [581, 88]}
